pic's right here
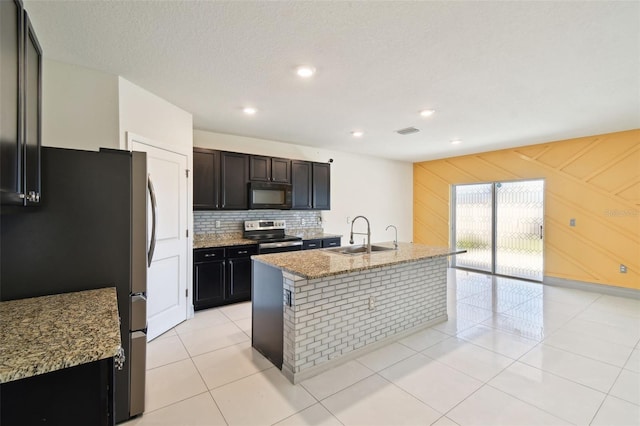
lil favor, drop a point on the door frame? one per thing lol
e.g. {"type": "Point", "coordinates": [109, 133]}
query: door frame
{"type": "Point", "coordinates": [494, 228]}
{"type": "Point", "coordinates": [130, 137]}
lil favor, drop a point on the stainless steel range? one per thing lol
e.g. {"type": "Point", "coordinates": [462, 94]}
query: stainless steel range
{"type": "Point", "coordinates": [270, 236]}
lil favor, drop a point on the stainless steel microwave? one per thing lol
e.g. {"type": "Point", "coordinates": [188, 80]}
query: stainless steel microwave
{"type": "Point", "coordinates": [266, 195]}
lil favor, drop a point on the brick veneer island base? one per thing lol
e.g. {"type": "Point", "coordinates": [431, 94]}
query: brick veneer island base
{"type": "Point", "coordinates": [315, 309]}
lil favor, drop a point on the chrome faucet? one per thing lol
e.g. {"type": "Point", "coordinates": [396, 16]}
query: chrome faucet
{"type": "Point", "coordinates": [360, 233]}
{"type": "Point", "coordinates": [395, 242]}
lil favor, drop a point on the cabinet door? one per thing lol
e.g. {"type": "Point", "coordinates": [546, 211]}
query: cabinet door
{"type": "Point", "coordinates": [234, 176]}
{"type": "Point", "coordinates": [206, 179]}
{"type": "Point", "coordinates": [239, 278]}
{"type": "Point", "coordinates": [208, 284]}
{"type": "Point", "coordinates": [32, 114]}
{"type": "Point", "coordinates": [321, 186]}
{"type": "Point", "coordinates": [259, 168]}
{"type": "Point", "coordinates": [311, 244]}
{"type": "Point", "coordinates": [281, 170]}
{"type": "Point", "coordinates": [11, 39]}
{"type": "Point", "coordinates": [301, 182]}
{"type": "Point", "coordinates": [331, 242]}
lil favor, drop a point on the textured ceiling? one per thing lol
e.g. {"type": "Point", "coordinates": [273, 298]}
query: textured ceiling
{"type": "Point", "coordinates": [498, 74]}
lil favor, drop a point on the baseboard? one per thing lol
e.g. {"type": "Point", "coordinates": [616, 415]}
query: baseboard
{"type": "Point", "coordinates": [593, 287]}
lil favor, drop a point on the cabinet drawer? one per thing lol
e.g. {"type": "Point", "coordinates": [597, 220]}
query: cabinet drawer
{"type": "Point", "coordinates": [205, 255]}
{"type": "Point", "coordinates": [311, 244]}
{"type": "Point", "coordinates": [331, 242]}
{"type": "Point", "coordinates": [242, 251]}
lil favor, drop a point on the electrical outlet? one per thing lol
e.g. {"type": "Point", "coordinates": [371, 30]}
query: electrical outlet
{"type": "Point", "coordinates": [623, 269]}
{"type": "Point", "coordinates": [372, 303]}
{"type": "Point", "coordinates": [217, 224]}
{"type": "Point", "coordinates": [572, 222]}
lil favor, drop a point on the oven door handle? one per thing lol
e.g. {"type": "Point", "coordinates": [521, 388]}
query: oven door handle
{"type": "Point", "coordinates": [279, 245]}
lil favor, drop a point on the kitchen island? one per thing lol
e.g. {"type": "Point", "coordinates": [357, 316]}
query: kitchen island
{"type": "Point", "coordinates": [316, 309]}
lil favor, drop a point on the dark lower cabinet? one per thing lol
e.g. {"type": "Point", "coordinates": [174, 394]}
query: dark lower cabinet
{"type": "Point", "coordinates": [311, 244]}
{"type": "Point", "coordinates": [331, 242]}
{"type": "Point", "coordinates": [321, 243]}
{"type": "Point", "coordinates": [239, 272]}
{"type": "Point", "coordinates": [222, 275]}
{"type": "Point", "coordinates": [80, 395]}
{"type": "Point", "coordinates": [208, 278]}
{"type": "Point", "coordinates": [239, 275]}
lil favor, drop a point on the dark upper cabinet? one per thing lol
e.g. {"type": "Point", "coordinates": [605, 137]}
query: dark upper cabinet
{"type": "Point", "coordinates": [260, 168]}
{"type": "Point", "coordinates": [206, 179]}
{"type": "Point", "coordinates": [321, 186]}
{"type": "Point", "coordinates": [311, 185]}
{"type": "Point", "coordinates": [234, 176]}
{"type": "Point", "coordinates": [20, 121]}
{"type": "Point", "coordinates": [32, 114]}
{"type": "Point", "coordinates": [301, 180]}
{"type": "Point", "coordinates": [281, 170]}
{"type": "Point", "coordinates": [220, 180]}
{"type": "Point", "coordinates": [268, 169]}
{"type": "Point", "coordinates": [11, 102]}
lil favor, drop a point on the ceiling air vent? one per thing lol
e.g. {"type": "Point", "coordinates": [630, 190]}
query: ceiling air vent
{"type": "Point", "coordinates": [407, 131]}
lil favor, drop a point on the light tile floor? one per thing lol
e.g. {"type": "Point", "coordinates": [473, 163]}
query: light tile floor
{"type": "Point", "coordinates": [512, 353]}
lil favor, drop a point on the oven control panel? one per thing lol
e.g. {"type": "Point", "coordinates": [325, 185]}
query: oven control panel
{"type": "Point", "coordinates": [259, 225]}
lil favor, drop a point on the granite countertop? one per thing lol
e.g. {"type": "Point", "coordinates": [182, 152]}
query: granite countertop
{"type": "Point", "coordinates": [235, 239]}
{"type": "Point", "coordinates": [43, 334]}
{"type": "Point", "coordinates": [311, 264]}
{"type": "Point", "coordinates": [314, 235]}
{"type": "Point", "coordinates": [219, 240]}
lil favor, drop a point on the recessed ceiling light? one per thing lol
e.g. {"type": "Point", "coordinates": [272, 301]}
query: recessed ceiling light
{"type": "Point", "coordinates": [249, 110]}
{"type": "Point", "coordinates": [357, 133]}
{"type": "Point", "coordinates": [456, 142]}
{"type": "Point", "coordinates": [305, 71]}
{"type": "Point", "coordinates": [427, 112]}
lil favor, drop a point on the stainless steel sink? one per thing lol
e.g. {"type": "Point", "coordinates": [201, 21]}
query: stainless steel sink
{"type": "Point", "coordinates": [351, 250]}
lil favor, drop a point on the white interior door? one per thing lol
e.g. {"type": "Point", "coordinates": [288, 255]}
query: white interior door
{"type": "Point", "coordinates": [167, 275]}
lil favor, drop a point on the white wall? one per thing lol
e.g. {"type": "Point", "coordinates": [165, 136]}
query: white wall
{"type": "Point", "coordinates": [79, 107]}
{"type": "Point", "coordinates": [152, 117]}
{"type": "Point", "coordinates": [381, 190]}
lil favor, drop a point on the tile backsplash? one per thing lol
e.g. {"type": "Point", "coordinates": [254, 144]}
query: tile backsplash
{"type": "Point", "coordinates": [231, 222]}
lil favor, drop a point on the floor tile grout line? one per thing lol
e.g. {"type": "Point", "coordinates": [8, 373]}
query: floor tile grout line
{"type": "Point", "coordinates": [528, 403]}
{"type": "Point", "coordinates": [242, 378]}
{"type": "Point", "coordinates": [172, 403]}
{"type": "Point", "coordinates": [404, 391]}
{"type": "Point", "coordinates": [218, 407]}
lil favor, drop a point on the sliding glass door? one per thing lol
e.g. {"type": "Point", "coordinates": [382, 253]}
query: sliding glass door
{"type": "Point", "coordinates": [473, 229]}
{"type": "Point", "coordinates": [500, 224]}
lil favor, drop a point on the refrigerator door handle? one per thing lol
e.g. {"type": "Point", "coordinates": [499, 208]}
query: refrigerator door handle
{"type": "Point", "coordinates": [152, 243]}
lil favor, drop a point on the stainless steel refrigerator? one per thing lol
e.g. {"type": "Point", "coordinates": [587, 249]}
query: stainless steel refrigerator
{"type": "Point", "coordinates": [90, 231]}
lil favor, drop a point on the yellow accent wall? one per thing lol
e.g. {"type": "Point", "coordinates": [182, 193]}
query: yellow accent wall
{"type": "Point", "coordinates": [594, 179]}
